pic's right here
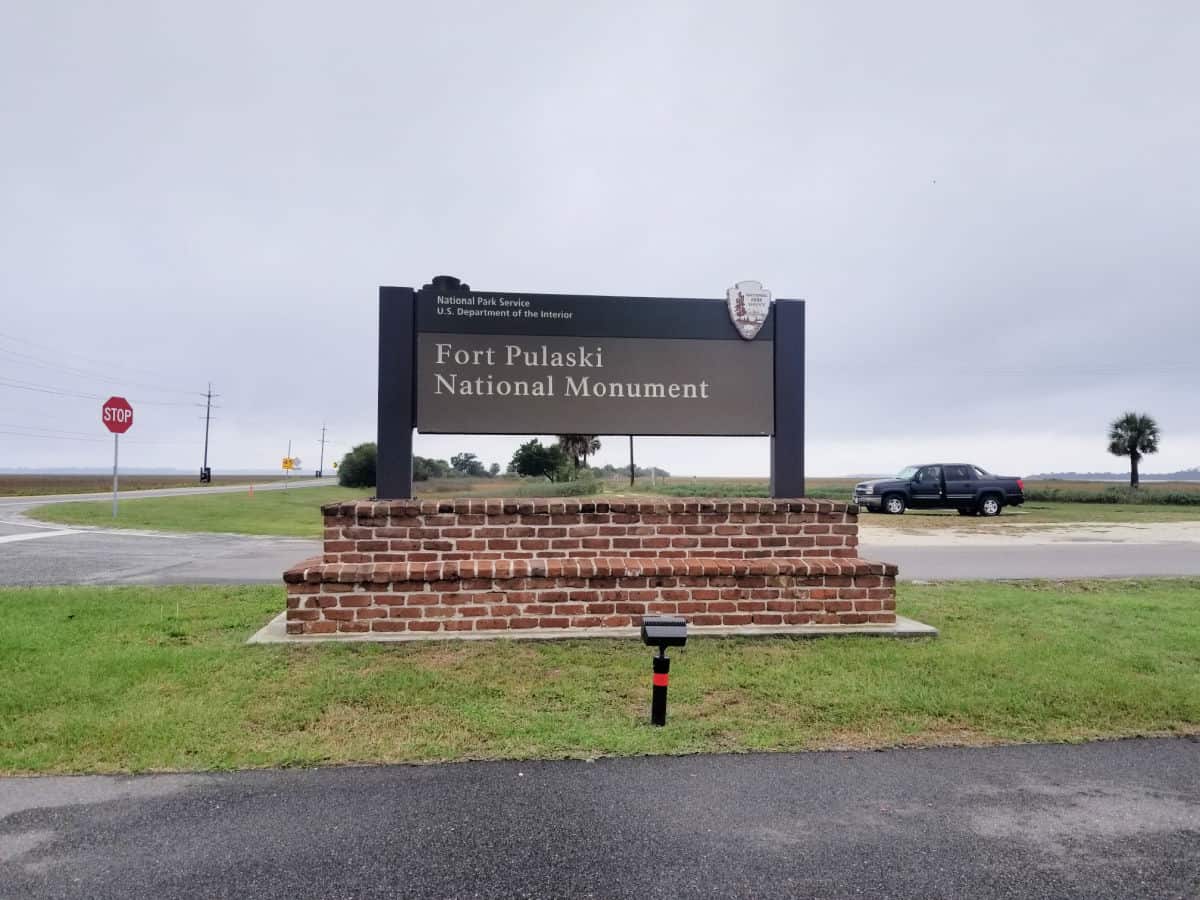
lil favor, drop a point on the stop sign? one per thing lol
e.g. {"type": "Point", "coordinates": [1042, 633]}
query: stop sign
{"type": "Point", "coordinates": [116, 414]}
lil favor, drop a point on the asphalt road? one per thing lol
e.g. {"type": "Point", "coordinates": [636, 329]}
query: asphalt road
{"type": "Point", "coordinates": [34, 553]}
{"type": "Point", "coordinates": [1105, 820]}
{"type": "Point", "coordinates": [26, 501]}
{"type": "Point", "coordinates": [53, 555]}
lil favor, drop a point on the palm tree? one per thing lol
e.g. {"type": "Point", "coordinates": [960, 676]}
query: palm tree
{"type": "Point", "coordinates": [579, 446]}
{"type": "Point", "coordinates": [1133, 435]}
{"type": "Point", "coordinates": [593, 447]}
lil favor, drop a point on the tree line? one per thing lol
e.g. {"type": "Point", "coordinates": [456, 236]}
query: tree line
{"type": "Point", "coordinates": [567, 460]}
{"type": "Point", "coordinates": [1133, 435]}
{"type": "Point", "coordinates": [564, 460]}
{"type": "Point", "coordinates": [560, 461]}
{"type": "Point", "coordinates": [358, 467]}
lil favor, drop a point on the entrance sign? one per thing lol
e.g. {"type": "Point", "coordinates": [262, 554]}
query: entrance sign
{"type": "Point", "coordinates": [457, 361]}
{"type": "Point", "coordinates": [117, 416]}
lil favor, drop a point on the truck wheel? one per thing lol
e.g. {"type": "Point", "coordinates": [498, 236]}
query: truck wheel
{"type": "Point", "coordinates": [893, 504]}
{"type": "Point", "coordinates": [989, 505]}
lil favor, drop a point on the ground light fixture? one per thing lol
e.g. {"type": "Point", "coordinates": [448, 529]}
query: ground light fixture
{"type": "Point", "coordinates": [662, 632]}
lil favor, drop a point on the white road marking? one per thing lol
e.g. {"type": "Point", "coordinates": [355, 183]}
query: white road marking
{"type": "Point", "coordinates": [131, 532]}
{"type": "Point", "coordinates": [29, 523]}
{"type": "Point", "coordinates": [13, 538]}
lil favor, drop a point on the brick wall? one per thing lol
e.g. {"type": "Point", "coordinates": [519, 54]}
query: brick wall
{"type": "Point", "coordinates": [427, 531]}
{"type": "Point", "coordinates": [500, 566]}
{"type": "Point", "coordinates": [503, 595]}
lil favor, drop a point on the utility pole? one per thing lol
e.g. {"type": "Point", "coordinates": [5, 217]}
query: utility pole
{"type": "Point", "coordinates": [205, 473]}
{"type": "Point", "coordinates": [632, 468]}
{"type": "Point", "coordinates": [321, 464]}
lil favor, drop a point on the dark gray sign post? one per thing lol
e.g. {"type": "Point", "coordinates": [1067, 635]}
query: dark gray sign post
{"type": "Point", "coordinates": [787, 443]}
{"type": "Point", "coordinates": [397, 393]}
{"type": "Point", "coordinates": [457, 361]}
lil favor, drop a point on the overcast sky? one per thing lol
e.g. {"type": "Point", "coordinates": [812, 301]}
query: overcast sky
{"type": "Point", "coordinates": [993, 212]}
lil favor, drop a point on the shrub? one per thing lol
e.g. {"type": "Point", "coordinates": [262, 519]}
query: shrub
{"type": "Point", "coordinates": [1113, 493]}
{"type": "Point", "coordinates": [535, 460]}
{"type": "Point", "coordinates": [581, 487]}
{"type": "Point", "coordinates": [358, 467]}
{"type": "Point", "coordinates": [681, 488]}
{"type": "Point", "coordinates": [424, 469]}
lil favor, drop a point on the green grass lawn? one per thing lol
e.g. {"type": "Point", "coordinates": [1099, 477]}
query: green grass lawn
{"type": "Point", "coordinates": [292, 513]}
{"type": "Point", "coordinates": [296, 513]}
{"type": "Point", "coordinates": [142, 679]}
{"type": "Point", "coordinates": [36, 485]}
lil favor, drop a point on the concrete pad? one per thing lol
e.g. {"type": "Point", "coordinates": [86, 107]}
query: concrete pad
{"type": "Point", "coordinates": [275, 632]}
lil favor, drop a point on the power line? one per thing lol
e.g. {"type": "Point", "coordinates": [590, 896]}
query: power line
{"type": "Point", "coordinates": [40, 428]}
{"type": "Point", "coordinates": [55, 437]}
{"type": "Point", "coordinates": [12, 338]}
{"type": "Point", "coordinates": [63, 431]}
{"type": "Point", "coordinates": [1041, 370]}
{"type": "Point", "coordinates": [27, 386]}
{"type": "Point", "coordinates": [79, 395]}
{"type": "Point", "coordinates": [26, 359]}
{"type": "Point", "coordinates": [70, 436]}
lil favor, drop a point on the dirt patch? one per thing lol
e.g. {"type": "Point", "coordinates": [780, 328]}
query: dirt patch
{"type": "Point", "coordinates": [440, 658]}
{"type": "Point", "coordinates": [877, 738]}
{"type": "Point", "coordinates": [714, 703]}
{"type": "Point", "coordinates": [1017, 534]}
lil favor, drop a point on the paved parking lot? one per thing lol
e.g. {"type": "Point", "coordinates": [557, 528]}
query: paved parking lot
{"type": "Point", "coordinates": [1109, 820]}
{"type": "Point", "coordinates": [36, 553]}
{"type": "Point", "coordinates": [33, 553]}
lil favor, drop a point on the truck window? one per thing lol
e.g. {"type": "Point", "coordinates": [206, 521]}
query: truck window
{"type": "Point", "coordinates": [929, 475]}
{"type": "Point", "coordinates": [958, 473]}
{"type": "Point", "coordinates": [983, 473]}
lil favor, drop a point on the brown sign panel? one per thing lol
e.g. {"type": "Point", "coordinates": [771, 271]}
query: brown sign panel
{"type": "Point", "coordinates": [457, 361]}
{"type": "Point", "coordinates": [548, 384]}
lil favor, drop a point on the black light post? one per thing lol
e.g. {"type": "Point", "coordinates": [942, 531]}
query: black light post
{"type": "Point", "coordinates": [662, 632]}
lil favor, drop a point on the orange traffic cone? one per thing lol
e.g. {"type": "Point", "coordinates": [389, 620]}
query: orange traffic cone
{"type": "Point", "coordinates": [252, 491]}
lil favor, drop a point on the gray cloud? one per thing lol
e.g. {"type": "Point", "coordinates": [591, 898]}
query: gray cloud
{"type": "Point", "coordinates": [993, 213]}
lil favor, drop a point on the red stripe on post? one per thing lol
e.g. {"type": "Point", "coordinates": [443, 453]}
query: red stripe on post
{"type": "Point", "coordinates": [660, 680]}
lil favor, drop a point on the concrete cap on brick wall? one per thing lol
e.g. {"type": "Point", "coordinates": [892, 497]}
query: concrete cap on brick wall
{"type": "Point", "coordinates": [370, 509]}
{"type": "Point", "coordinates": [315, 571]}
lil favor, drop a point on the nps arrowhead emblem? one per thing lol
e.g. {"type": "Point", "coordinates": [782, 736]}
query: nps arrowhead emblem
{"type": "Point", "coordinates": [749, 305]}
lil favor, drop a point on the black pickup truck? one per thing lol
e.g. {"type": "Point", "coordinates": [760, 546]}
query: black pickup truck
{"type": "Point", "coordinates": [969, 489]}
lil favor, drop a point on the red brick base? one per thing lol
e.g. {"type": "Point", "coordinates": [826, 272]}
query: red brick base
{"type": "Point", "coordinates": [509, 565]}
{"type": "Point", "coordinates": [611, 592]}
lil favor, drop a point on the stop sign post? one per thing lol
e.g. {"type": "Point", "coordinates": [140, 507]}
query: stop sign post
{"type": "Point", "coordinates": [117, 416]}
